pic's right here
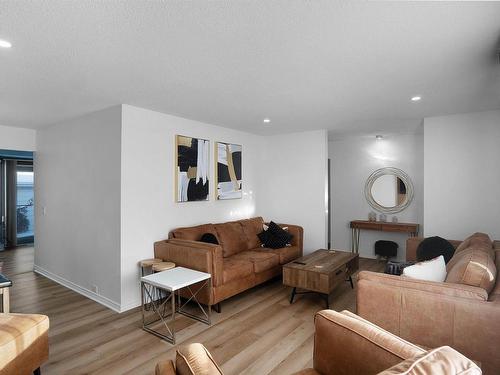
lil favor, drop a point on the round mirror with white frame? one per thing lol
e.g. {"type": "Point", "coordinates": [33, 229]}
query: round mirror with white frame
{"type": "Point", "coordinates": [389, 190]}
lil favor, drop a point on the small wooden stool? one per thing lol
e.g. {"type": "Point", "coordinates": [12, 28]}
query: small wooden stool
{"type": "Point", "coordinates": [146, 263]}
{"type": "Point", "coordinates": [162, 266]}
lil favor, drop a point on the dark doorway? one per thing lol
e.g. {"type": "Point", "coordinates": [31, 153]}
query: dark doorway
{"type": "Point", "coordinates": [16, 198]}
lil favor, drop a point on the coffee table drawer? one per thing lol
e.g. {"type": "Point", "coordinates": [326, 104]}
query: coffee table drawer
{"type": "Point", "coordinates": [314, 281]}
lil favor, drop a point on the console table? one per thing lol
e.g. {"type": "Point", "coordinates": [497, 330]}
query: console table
{"type": "Point", "coordinates": [356, 225]}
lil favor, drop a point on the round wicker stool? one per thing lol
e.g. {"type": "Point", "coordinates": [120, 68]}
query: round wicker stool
{"type": "Point", "coordinates": [162, 266]}
{"type": "Point", "coordinates": [146, 263]}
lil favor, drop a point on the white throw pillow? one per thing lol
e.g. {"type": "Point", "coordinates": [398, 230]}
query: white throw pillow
{"type": "Point", "coordinates": [431, 270]}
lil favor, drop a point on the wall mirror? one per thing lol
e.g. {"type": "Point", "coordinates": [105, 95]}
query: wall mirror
{"type": "Point", "coordinates": [389, 190]}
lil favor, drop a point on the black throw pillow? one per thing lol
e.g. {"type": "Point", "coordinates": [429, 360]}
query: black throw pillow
{"type": "Point", "coordinates": [275, 237]}
{"type": "Point", "coordinates": [209, 238]}
{"type": "Point", "coordinates": [432, 247]}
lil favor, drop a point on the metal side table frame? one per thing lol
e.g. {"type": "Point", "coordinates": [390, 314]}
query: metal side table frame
{"type": "Point", "coordinates": [159, 307]}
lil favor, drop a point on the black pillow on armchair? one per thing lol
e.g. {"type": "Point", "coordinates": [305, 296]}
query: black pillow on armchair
{"type": "Point", "coordinates": [275, 237]}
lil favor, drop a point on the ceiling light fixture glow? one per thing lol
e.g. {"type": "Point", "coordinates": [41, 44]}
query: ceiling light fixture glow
{"type": "Point", "coordinates": [267, 121]}
{"type": "Point", "coordinates": [5, 44]}
{"type": "Point", "coordinates": [416, 98]}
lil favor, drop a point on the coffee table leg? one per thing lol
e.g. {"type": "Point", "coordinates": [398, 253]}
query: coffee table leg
{"type": "Point", "coordinates": [350, 280]}
{"type": "Point", "coordinates": [294, 290]}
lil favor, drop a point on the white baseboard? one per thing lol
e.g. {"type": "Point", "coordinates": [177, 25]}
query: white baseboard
{"type": "Point", "coordinates": [83, 291]}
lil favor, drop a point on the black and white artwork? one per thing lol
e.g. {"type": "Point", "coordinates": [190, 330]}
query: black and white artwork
{"type": "Point", "coordinates": [228, 169]}
{"type": "Point", "coordinates": [192, 169]}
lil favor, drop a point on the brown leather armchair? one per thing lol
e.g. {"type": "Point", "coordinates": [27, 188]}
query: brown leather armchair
{"type": "Point", "coordinates": [346, 344]}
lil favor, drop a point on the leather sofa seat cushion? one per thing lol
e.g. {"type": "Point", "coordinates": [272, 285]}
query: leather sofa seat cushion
{"type": "Point", "coordinates": [194, 359]}
{"type": "Point", "coordinates": [285, 254]}
{"type": "Point", "coordinates": [193, 233]}
{"type": "Point", "coordinates": [234, 269]}
{"type": "Point", "coordinates": [261, 261]}
{"type": "Point", "coordinates": [252, 227]}
{"type": "Point", "coordinates": [441, 361]}
{"type": "Point", "coordinates": [19, 333]}
{"type": "Point", "coordinates": [231, 237]}
{"type": "Point", "coordinates": [473, 266]}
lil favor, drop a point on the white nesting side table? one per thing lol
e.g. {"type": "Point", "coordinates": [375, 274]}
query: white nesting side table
{"type": "Point", "coordinates": [171, 281]}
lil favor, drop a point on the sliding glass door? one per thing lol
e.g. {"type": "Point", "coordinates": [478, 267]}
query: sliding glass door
{"type": "Point", "coordinates": [24, 202]}
{"type": "Point", "coordinates": [2, 205]}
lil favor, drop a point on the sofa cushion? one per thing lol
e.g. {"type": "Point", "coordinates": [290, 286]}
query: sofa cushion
{"type": "Point", "coordinates": [261, 261]}
{"type": "Point", "coordinates": [193, 233]}
{"type": "Point", "coordinates": [477, 238]}
{"type": "Point", "coordinates": [234, 269]}
{"type": "Point", "coordinates": [21, 334]}
{"type": "Point", "coordinates": [440, 361]}
{"type": "Point", "coordinates": [231, 237]}
{"type": "Point", "coordinates": [252, 227]}
{"type": "Point", "coordinates": [473, 266]}
{"type": "Point", "coordinates": [286, 254]}
{"type": "Point", "coordinates": [431, 270]}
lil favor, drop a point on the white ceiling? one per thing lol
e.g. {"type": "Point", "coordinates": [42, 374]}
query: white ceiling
{"type": "Point", "coordinates": [342, 65]}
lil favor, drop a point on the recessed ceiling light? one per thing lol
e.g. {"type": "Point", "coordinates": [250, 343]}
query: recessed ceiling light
{"type": "Point", "coordinates": [416, 98]}
{"type": "Point", "coordinates": [378, 137]}
{"type": "Point", "coordinates": [5, 44]}
{"type": "Point", "coordinates": [267, 120]}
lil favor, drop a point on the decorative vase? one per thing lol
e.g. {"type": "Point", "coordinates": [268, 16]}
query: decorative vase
{"type": "Point", "coordinates": [372, 216]}
{"type": "Point", "coordinates": [394, 219]}
{"type": "Point", "coordinates": [382, 218]}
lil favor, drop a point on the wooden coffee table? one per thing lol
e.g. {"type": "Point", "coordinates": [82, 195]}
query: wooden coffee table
{"type": "Point", "coordinates": [320, 272]}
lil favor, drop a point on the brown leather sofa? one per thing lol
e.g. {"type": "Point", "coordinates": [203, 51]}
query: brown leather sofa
{"type": "Point", "coordinates": [237, 263]}
{"type": "Point", "coordinates": [346, 344]}
{"type": "Point", "coordinates": [462, 312]}
{"type": "Point", "coordinates": [24, 343]}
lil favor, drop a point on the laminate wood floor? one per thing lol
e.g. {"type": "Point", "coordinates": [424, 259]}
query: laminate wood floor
{"type": "Point", "coordinates": [258, 332]}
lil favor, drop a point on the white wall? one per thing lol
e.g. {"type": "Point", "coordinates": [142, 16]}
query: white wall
{"type": "Point", "coordinates": [293, 183]}
{"type": "Point", "coordinates": [353, 159]}
{"type": "Point", "coordinates": [148, 207]}
{"type": "Point", "coordinates": [19, 139]}
{"type": "Point", "coordinates": [462, 175]}
{"type": "Point", "coordinates": [77, 183]}
{"type": "Point", "coordinates": [106, 181]}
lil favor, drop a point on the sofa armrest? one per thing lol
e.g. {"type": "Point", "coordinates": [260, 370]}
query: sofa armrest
{"type": "Point", "coordinates": [298, 235]}
{"type": "Point", "coordinates": [344, 343]}
{"type": "Point", "coordinates": [165, 368]}
{"type": "Point", "coordinates": [446, 289]}
{"type": "Point", "coordinates": [196, 255]}
{"type": "Point", "coordinates": [433, 317]}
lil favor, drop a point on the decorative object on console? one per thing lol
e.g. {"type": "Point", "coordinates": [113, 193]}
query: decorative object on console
{"type": "Point", "coordinates": [386, 249]}
{"type": "Point", "coordinates": [192, 169]}
{"type": "Point", "coordinates": [430, 270]}
{"type": "Point", "coordinates": [433, 247]}
{"type": "Point", "coordinates": [382, 218]}
{"type": "Point", "coordinates": [228, 170]}
{"type": "Point", "coordinates": [389, 190]}
{"type": "Point", "coordinates": [275, 237]}
{"type": "Point", "coordinates": [372, 216]}
{"type": "Point", "coordinates": [394, 219]}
